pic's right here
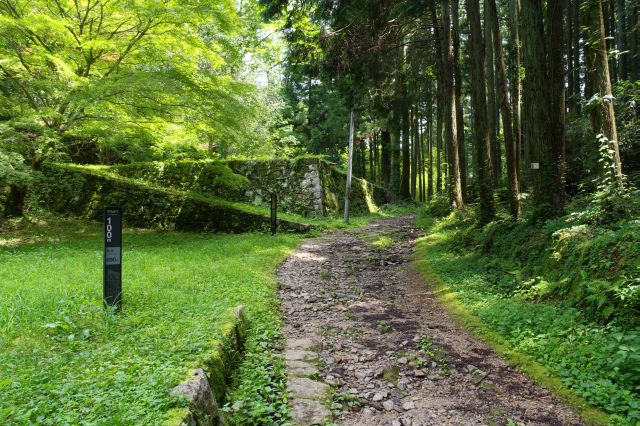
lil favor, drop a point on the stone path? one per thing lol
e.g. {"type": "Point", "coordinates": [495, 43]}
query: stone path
{"type": "Point", "coordinates": [368, 343]}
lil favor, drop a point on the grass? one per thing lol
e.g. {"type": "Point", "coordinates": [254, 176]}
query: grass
{"type": "Point", "coordinates": [553, 345]}
{"type": "Point", "coordinates": [64, 360]}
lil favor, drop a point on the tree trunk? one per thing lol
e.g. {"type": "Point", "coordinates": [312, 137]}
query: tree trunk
{"type": "Point", "coordinates": [513, 183]}
{"type": "Point", "coordinates": [385, 148]}
{"type": "Point", "coordinates": [545, 170]}
{"type": "Point", "coordinates": [621, 32]}
{"type": "Point", "coordinates": [570, 63]}
{"type": "Point", "coordinates": [395, 152]}
{"type": "Point", "coordinates": [14, 206]}
{"type": "Point", "coordinates": [430, 142]}
{"type": "Point", "coordinates": [610, 36]}
{"type": "Point", "coordinates": [482, 141]}
{"type": "Point", "coordinates": [516, 80]}
{"type": "Point", "coordinates": [455, 34]}
{"type": "Point", "coordinates": [576, 91]}
{"type": "Point", "coordinates": [454, 180]}
{"type": "Point", "coordinates": [372, 166]}
{"type": "Point", "coordinates": [414, 153]}
{"type": "Point", "coordinates": [439, 112]}
{"type": "Point", "coordinates": [603, 117]}
{"type": "Point", "coordinates": [634, 28]}
{"type": "Point", "coordinates": [405, 192]}
{"type": "Point", "coordinates": [491, 97]}
{"type": "Point", "coordinates": [556, 12]}
{"type": "Point", "coordinates": [421, 184]}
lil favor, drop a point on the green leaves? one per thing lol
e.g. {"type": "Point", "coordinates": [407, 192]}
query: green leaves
{"type": "Point", "coordinates": [126, 70]}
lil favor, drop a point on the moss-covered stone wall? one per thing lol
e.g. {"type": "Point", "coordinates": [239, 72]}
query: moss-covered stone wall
{"type": "Point", "coordinates": [308, 186]}
{"type": "Point", "coordinates": [84, 192]}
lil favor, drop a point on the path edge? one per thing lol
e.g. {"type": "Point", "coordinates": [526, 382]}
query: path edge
{"type": "Point", "coordinates": [528, 366]}
{"type": "Point", "coordinates": [205, 386]}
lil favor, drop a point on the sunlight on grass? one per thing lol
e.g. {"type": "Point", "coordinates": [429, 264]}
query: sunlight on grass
{"type": "Point", "coordinates": [66, 360]}
{"type": "Point", "coordinates": [549, 343]}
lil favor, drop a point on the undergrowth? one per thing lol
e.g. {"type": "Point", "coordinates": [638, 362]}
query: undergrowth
{"type": "Point", "coordinates": [259, 389]}
{"type": "Point", "coordinates": [565, 292]}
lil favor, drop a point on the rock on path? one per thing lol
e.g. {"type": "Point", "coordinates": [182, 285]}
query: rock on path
{"type": "Point", "coordinates": [358, 319]}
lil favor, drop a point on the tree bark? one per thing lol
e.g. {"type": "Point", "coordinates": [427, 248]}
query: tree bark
{"type": "Point", "coordinates": [621, 32]}
{"type": "Point", "coordinates": [576, 91]}
{"type": "Point", "coordinates": [516, 80]}
{"type": "Point", "coordinates": [430, 141]}
{"type": "Point", "coordinates": [385, 148]}
{"type": "Point", "coordinates": [634, 28]}
{"type": "Point", "coordinates": [14, 206]}
{"type": "Point", "coordinates": [548, 191]}
{"type": "Point", "coordinates": [395, 152]}
{"type": "Point", "coordinates": [482, 142]}
{"type": "Point", "coordinates": [570, 57]}
{"type": "Point", "coordinates": [405, 192]}
{"type": "Point", "coordinates": [455, 34]}
{"type": "Point", "coordinates": [603, 118]}
{"type": "Point", "coordinates": [491, 97]}
{"type": "Point", "coordinates": [454, 180]}
{"type": "Point", "coordinates": [439, 144]}
{"type": "Point", "coordinates": [414, 152]}
{"type": "Point", "coordinates": [513, 183]}
{"type": "Point", "coordinates": [556, 12]}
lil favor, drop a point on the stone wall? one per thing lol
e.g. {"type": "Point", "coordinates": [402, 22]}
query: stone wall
{"type": "Point", "coordinates": [83, 192]}
{"type": "Point", "coordinates": [308, 186]}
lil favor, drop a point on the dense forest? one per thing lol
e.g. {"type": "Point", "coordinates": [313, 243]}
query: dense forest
{"type": "Point", "coordinates": [508, 129]}
{"type": "Point", "coordinates": [518, 100]}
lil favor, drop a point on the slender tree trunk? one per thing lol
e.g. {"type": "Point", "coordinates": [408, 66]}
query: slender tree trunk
{"type": "Point", "coordinates": [513, 183]}
{"type": "Point", "coordinates": [570, 67]}
{"type": "Point", "coordinates": [603, 117]}
{"type": "Point", "coordinates": [634, 54]}
{"type": "Point", "coordinates": [439, 144]}
{"type": "Point", "coordinates": [430, 141]}
{"type": "Point", "coordinates": [621, 32]}
{"type": "Point", "coordinates": [576, 91]}
{"type": "Point", "coordinates": [516, 80]}
{"type": "Point", "coordinates": [395, 151]}
{"type": "Point", "coordinates": [421, 184]}
{"type": "Point", "coordinates": [414, 153]}
{"type": "Point", "coordinates": [385, 148]}
{"type": "Point", "coordinates": [454, 180]}
{"type": "Point", "coordinates": [406, 157]}
{"type": "Point", "coordinates": [482, 141]}
{"type": "Point", "coordinates": [491, 97]}
{"type": "Point", "coordinates": [455, 34]}
{"type": "Point", "coordinates": [372, 167]}
{"type": "Point", "coordinates": [610, 36]}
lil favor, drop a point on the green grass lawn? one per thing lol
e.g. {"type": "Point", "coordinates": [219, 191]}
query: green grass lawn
{"type": "Point", "coordinates": [64, 360]}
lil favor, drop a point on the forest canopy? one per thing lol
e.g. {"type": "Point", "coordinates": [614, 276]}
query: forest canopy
{"type": "Point", "coordinates": [119, 81]}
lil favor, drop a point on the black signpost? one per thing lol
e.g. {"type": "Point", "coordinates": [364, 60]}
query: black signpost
{"type": "Point", "coordinates": [112, 286]}
{"type": "Point", "coordinates": [274, 213]}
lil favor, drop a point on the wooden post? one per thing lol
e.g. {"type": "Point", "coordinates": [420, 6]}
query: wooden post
{"type": "Point", "coordinates": [347, 191]}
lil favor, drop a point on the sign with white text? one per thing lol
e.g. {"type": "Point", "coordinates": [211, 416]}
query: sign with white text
{"type": "Point", "coordinates": [112, 284]}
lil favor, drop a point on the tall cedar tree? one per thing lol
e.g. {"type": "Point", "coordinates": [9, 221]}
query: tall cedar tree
{"type": "Point", "coordinates": [513, 183]}
{"type": "Point", "coordinates": [481, 140]}
{"type": "Point", "coordinates": [540, 94]}
{"type": "Point", "coordinates": [603, 116]}
{"type": "Point", "coordinates": [454, 180]}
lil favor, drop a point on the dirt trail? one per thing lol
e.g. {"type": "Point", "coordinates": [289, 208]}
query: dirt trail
{"type": "Point", "coordinates": [386, 346]}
